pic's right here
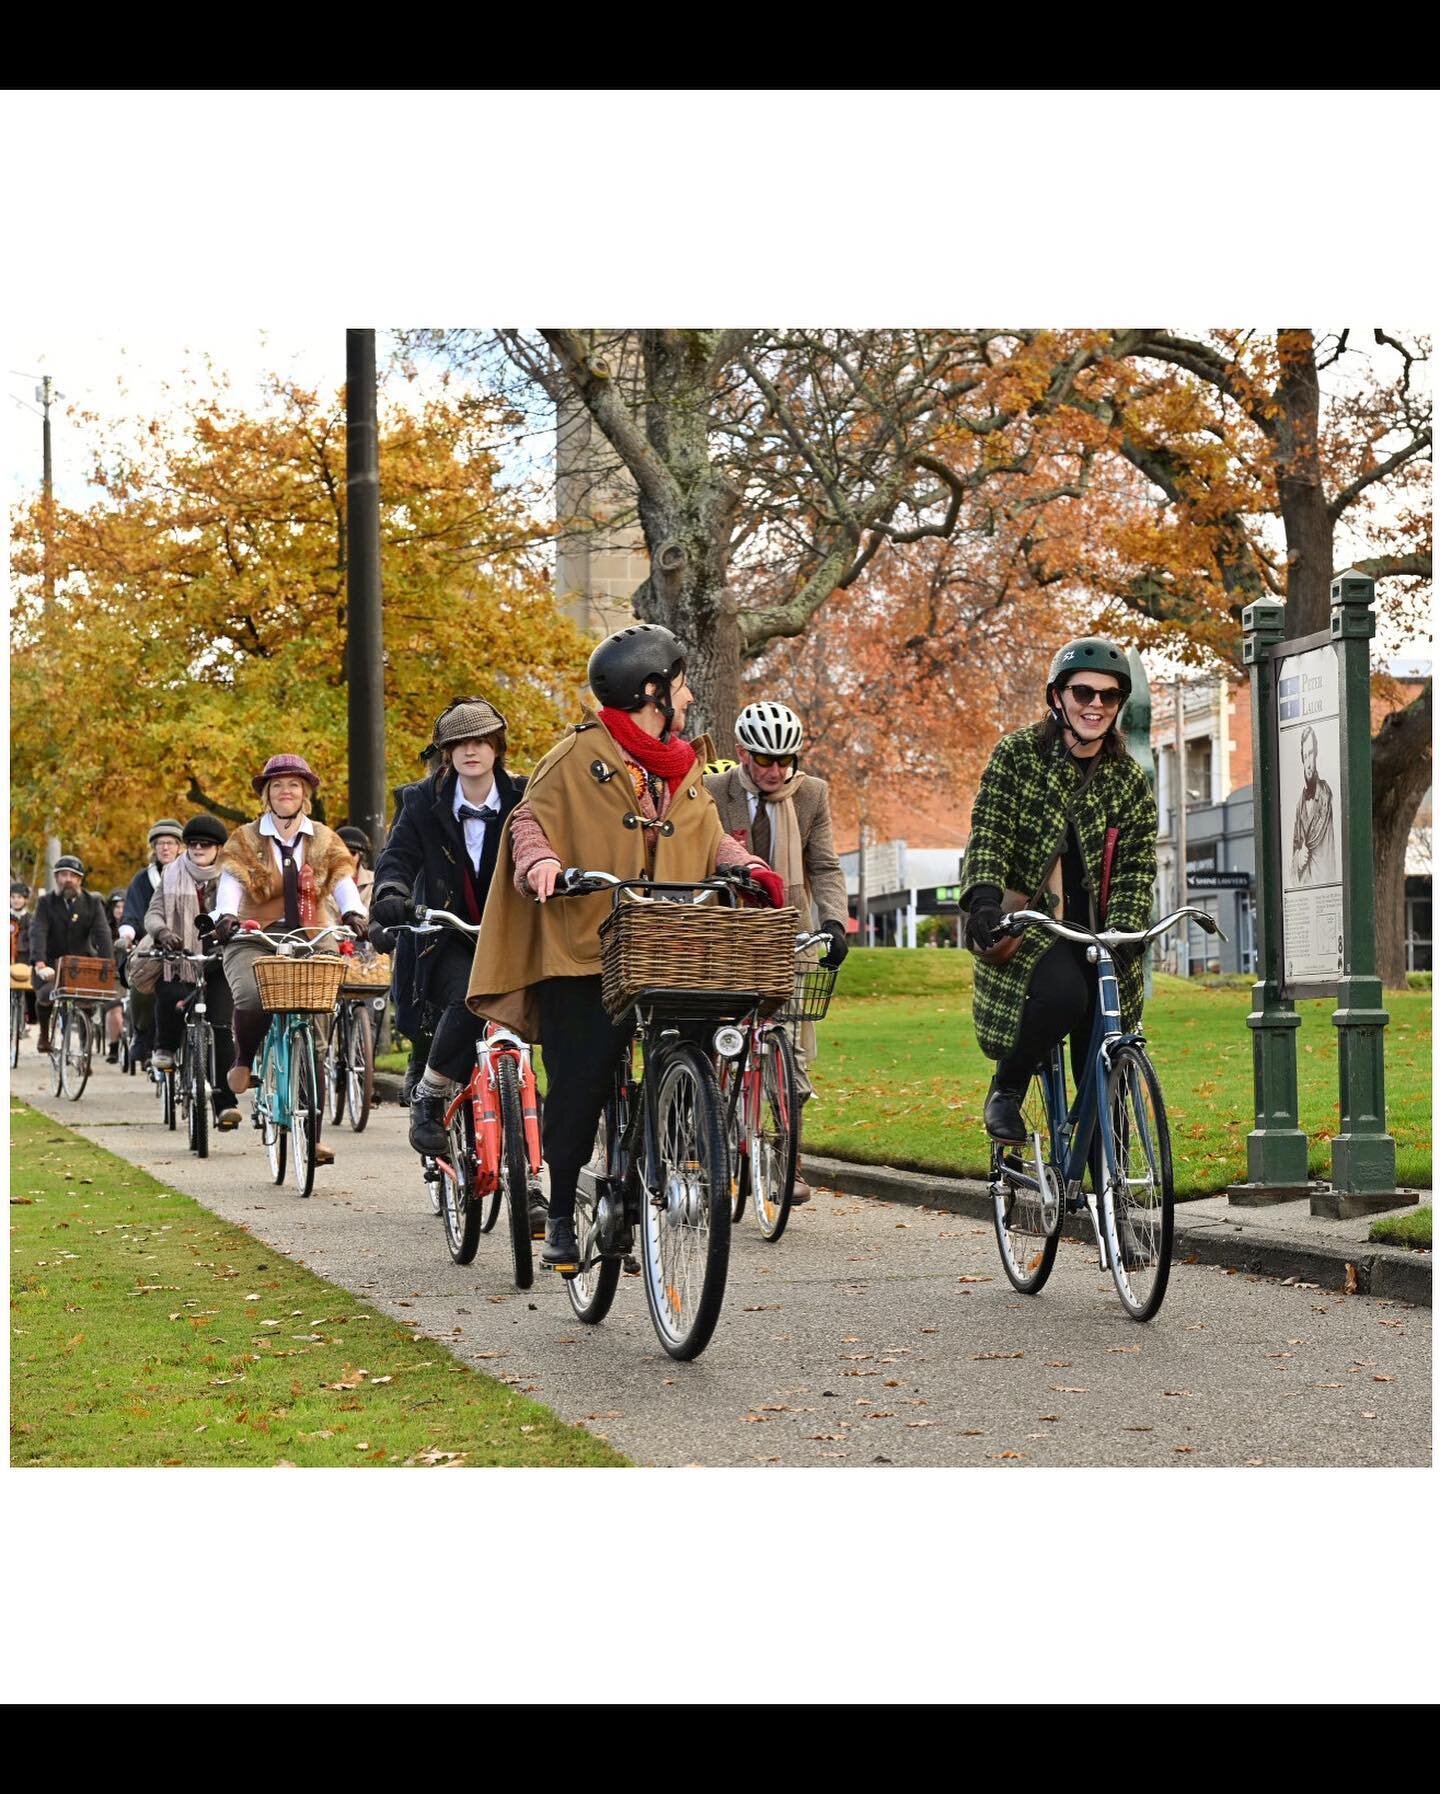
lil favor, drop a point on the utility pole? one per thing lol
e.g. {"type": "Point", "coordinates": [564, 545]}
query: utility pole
{"type": "Point", "coordinates": [45, 392]}
{"type": "Point", "coordinates": [365, 643]}
{"type": "Point", "coordinates": [1182, 868]}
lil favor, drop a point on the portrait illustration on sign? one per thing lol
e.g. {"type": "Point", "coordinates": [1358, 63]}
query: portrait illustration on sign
{"type": "Point", "coordinates": [1312, 839]}
{"type": "Point", "coordinates": [1311, 823]}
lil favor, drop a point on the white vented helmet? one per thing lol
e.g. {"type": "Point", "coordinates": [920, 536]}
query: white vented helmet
{"type": "Point", "coordinates": [769, 729]}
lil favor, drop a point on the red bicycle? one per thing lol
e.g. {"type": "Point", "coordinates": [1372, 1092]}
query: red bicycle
{"type": "Point", "coordinates": [494, 1128]}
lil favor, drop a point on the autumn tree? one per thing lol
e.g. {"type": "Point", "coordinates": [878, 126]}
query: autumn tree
{"type": "Point", "coordinates": [198, 622]}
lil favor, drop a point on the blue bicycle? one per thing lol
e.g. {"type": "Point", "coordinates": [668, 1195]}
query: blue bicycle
{"type": "Point", "coordinates": [1035, 1183]}
{"type": "Point", "coordinates": [296, 985]}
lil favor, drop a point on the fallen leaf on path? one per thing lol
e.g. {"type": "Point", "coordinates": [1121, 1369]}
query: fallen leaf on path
{"type": "Point", "coordinates": [1129, 1348]}
{"type": "Point", "coordinates": [980, 1357]}
{"type": "Point", "coordinates": [1010, 1454]}
{"type": "Point", "coordinates": [1184, 1448]}
{"type": "Point", "coordinates": [1352, 1280]}
{"type": "Point", "coordinates": [968, 1279]}
{"type": "Point", "coordinates": [914, 1423]}
{"type": "Point", "coordinates": [1137, 1429]}
{"type": "Point", "coordinates": [1067, 1389]}
{"type": "Point", "coordinates": [350, 1378]}
{"type": "Point", "coordinates": [972, 1432]}
{"type": "Point", "coordinates": [1381, 1377]}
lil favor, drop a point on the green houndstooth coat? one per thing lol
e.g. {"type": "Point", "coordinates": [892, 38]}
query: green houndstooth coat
{"type": "Point", "coordinates": [1017, 823]}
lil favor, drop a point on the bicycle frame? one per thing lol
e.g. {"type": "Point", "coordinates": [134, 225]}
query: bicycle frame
{"type": "Point", "coordinates": [482, 1092]}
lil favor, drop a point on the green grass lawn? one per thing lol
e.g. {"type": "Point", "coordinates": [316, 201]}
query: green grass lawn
{"type": "Point", "coordinates": [1411, 1229]}
{"type": "Point", "coordinates": [145, 1330]}
{"type": "Point", "coordinates": [901, 1080]}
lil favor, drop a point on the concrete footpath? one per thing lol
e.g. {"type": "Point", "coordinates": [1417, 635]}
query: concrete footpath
{"type": "Point", "coordinates": [875, 1332]}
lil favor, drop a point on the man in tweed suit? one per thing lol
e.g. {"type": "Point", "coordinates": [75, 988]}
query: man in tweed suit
{"type": "Point", "coordinates": [783, 815]}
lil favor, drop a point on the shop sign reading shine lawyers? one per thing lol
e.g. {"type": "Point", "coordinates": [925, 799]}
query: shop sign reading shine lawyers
{"type": "Point", "coordinates": [1311, 823]}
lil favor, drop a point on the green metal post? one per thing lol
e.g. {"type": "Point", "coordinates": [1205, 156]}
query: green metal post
{"type": "Point", "coordinates": [1276, 1151]}
{"type": "Point", "coordinates": [1362, 1154]}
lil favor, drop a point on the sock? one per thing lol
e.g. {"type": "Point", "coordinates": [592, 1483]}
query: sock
{"type": "Point", "coordinates": [429, 1086]}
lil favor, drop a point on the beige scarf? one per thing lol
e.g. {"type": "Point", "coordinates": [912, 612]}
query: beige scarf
{"type": "Point", "coordinates": [787, 854]}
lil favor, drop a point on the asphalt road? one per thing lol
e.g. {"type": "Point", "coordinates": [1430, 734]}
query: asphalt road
{"type": "Point", "coordinates": [872, 1333]}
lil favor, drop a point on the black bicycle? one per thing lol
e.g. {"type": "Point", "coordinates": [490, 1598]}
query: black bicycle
{"type": "Point", "coordinates": [350, 1058]}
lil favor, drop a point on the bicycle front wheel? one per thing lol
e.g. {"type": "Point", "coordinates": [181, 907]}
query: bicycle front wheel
{"type": "Point", "coordinates": [592, 1289]}
{"type": "Point", "coordinates": [305, 1109]}
{"type": "Point", "coordinates": [75, 1053]}
{"type": "Point", "coordinates": [359, 1067]}
{"type": "Point", "coordinates": [687, 1211]}
{"type": "Point", "coordinates": [17, 1022]}
{"type": "Point", "coordinates": [515, 1171]}
{"type": "Point", "coordinates": [1138, 1203]}
{"type": "Point", "coordinates": [459, 1206]}
{"type": "Point", "coordinates": [198, 1085]}
{"type": "Point", "coordinates": [269, 1103]}
{"type": "Point", "coordinates": [725, 1074]}
{"type": "Point", "coordinates": [1027, 1221]}
{"type": "Point", "coordinates": [774, 1147]}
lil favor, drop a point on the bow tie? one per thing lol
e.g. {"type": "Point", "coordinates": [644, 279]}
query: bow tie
{"type": "Point", "coordinates": [468, 813]}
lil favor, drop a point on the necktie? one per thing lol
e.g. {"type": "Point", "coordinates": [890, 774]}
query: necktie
{"type": "Point", "coordinates": [469, 813]}
{"type": "Point", "coordinates": [292, 883]}
{"type": "Point", "coordinates": [760, 834]}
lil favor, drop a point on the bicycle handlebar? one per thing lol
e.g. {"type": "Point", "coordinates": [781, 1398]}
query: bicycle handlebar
{"type": "Point", "coordinates": [290, 943]}
{"type": "Point", "coordinates": [1021, 919]}
{"type": "Point", "coordinates": [431, 920]}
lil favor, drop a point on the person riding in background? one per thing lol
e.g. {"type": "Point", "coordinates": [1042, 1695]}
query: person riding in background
{"type": "Point", "coordinates": [165, 845]}
{"type": "Point", "coordinates": [620, 792]}
{"type": "Point", "coordinates": [20, 919]}
{"type": "Point", "coordinates": [363, 853]}
{"type": "Point", "coordinates": [783, 814]}
{"type": "Point", "coordinates": [115, 909]}
{"type": "Point", "coordinates": [284, 871]}
{"type": "Point", "coordinates": [1064, 820]}
{"type": "Point", "coordinates": [447, 837]}
{"type": "Point", "coordinates": [186, 891]}
{"type": "Point", "coordinates": [67, 920]}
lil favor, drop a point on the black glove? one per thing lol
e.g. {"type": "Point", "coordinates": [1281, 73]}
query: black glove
{"type": "Point", "coordinates": [358, 922]}
{"type": "Point", "coordinates": [391, 909]}
{"type": "Point", "coordinates": [839, 946]}
{"type": "Point", "coordinates": [226, 928]}
{"type": "Point", "coordinates": [381, 939]}
{"type": "Point", "coordinates": [980, 929]}
{"type": "Point", "coordinates": [168, 941]}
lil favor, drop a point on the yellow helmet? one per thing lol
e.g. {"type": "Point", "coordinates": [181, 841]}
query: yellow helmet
{"type": "Point", "coordinates": [720, 766]}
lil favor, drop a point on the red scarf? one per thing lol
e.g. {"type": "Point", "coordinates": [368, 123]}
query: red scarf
{"type": "Point", "coordinates": [671, 760]}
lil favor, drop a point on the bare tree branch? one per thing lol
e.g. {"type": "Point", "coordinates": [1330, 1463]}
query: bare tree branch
{"type": "Point", "coordinates": [1348, 494]}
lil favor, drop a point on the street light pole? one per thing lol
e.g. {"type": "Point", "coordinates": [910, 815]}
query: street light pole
{"type": "Point", "coordinates": [1182, 867]}
{"type": "Point", "coordinates": [365, 645]}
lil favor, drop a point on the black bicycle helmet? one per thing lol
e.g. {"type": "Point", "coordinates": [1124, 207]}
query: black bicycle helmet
{"type": "Point", "coordinates": [205, 828]}
{"type": "Point", "coordinates": [623, 663]}
{"type": "Point", "coordinates": [356, 840]}
{"type": "Point", "coordinates": [1089, 654]}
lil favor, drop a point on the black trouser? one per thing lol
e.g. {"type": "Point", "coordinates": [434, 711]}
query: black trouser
{"type": "Point", "coordinates": [582, 1048]}
{"type": "Point", "coordinates": [1061, 1000]}
{"type": "Point", "coordinates": [219, 1012]}
{"type": "Point", "coordinates": [452, 1051]}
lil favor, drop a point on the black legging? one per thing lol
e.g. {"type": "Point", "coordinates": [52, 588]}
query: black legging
{"type": "Point", "coordinates": [1061, 1000]}
{"type": "Point", "coordinates": [582, 1047]}
{"type": "Point", "coordinates": [452, 1052]}
{"type": "Point", "coordinates": [219, 1011]}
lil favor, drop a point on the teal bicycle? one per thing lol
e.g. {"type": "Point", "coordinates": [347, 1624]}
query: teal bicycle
{"type": "Point", "coordinates": [1036, 1182]}
{"type": "Point", "coordinates": [296, 985]}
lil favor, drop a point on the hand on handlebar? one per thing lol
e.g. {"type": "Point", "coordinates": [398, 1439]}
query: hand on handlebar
{"type": "Point", "coordinates": [839, 946]}
{"type": "Point", "coordinates": [226, 928]}
{"type": "Point", "coordinates": [982, 928]}
{"type": "Point", "coordinates": [168, 941]}
{"type": "Point", "coordinates": [769, 882]}
{"type": "Point", "coordinates": [542, 878]}
{"type": "Point", "coordinates": [392, 909]}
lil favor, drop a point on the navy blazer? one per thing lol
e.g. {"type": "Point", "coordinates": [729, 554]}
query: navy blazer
{"type": "Point", "coordinates": [426, 851]}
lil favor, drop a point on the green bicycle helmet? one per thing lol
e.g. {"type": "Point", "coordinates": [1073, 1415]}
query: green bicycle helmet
{"type": "Point", "coordinates": [1088, 654]}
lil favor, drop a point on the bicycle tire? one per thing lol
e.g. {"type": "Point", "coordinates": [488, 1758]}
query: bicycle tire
{"type": "Point", "coordinates": [1027, 1250]}
{"type": "Point", "coordinates": [774, 1150]}
{"type": "Point", "coordinates": [514, 1171]}
{"type": "Point", "coordinates": [591, 1291]}
{"type": "Point", "coordinates": [167, 1097]}
{"type": "Point", "coordinates": [359, 1068]}
{"type": "Point", "coordinates": [75, 1053]}
{"type": "Point", "coordinates": [686, 1232]}
{"type": "Point", "coordinates": [197, 1036]}
{"type": "Point", "coordinates": [459, 1208]}
{"type": "Point", "coordinates": [275, 1137]}
{"type": "Point", "coordinates": [335, 1056]}
{"type": "Point", "coordinates": [305, 1110]}
{"type": "Point", "coordinates": [17, 1022]}
{"type": "Point", "coordinates": [1139, 1222]}
{"type": "Point", "coordinates": [726, 1071]}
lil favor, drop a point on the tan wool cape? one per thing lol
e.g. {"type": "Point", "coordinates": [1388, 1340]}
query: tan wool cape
{"type": "Point", "coordinates": [251, 857]}
{"type": "Point", "coordinates": [522, 941]}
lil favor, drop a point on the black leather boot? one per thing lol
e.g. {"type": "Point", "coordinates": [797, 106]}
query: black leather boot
{"type": "Point", "coordinates": [427, 1125]}
{"type": "Point", "coordinates": [1002, 1112]}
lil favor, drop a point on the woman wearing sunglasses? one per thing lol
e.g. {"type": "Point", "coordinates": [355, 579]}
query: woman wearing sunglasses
{"type": "Point", "coordinates": [1065, 821]}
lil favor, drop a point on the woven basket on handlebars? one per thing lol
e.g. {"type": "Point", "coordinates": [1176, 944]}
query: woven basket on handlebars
{"type": "Point", "coordinates": [310, 985]}
{"type": "Point", "coordinates": [367, 977]}
{"type": "Point", "coordinates": [77, 976]}
{"type": "Point", "coordinates": [683, 948]}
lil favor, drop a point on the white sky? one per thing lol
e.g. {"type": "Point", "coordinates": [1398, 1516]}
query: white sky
{"type": "Point", "coordinates": [224, 208]}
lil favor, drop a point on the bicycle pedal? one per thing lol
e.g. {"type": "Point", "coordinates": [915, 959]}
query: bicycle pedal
{"type": "Point", "coordinates": [566, 1271]}
{"type": "Point", "coordinates": [631, 1265]}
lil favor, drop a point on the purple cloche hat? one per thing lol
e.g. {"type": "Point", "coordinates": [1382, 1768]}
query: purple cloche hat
{"type": "Point", "coordinates": [280, 766]}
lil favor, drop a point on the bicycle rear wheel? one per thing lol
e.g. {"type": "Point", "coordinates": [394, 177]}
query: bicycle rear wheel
{"type": "Point", "coordinates": [459, 1208]}
{"type": "Point", "coordinates": [726, 1071]}
{"type": "Point", "coordinates": [358, 1068]}
{"type": "Point", "coordinates": [75, 1053]}
{"type": "Point", "coordinates": [592, 1289]}
{"type": "Point", "coordinates": [686, 1217]}
{"type": "Point", "coordinates": [773, 1149]}
{"type": "Point", "coordinates": [167, 1097]}
{"type": "Point", "coordinates": [197, 1084]}
{"type": "Point", "coordinates": [336, 1054]}
{"type": "Point", "coordinates": [514, 1171]}
{"type": "Point", "coordinates": [305, 1110]}
{"type": "Point", "coordinates": [1138, 1204]}
{"type": "Point", "coordinates": [270, 1104]}
{"type": "Point", "coordinates": [17, 1022]}
{"type": "Point", "coordinates": [1027, 1222]}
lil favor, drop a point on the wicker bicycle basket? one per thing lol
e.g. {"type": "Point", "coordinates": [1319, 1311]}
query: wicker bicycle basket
{"type": "Point", "coordinates": [310, 985]}
{"type": "Point", "coordinates": [690, 950]}
{"type": "Point", "coordinates": [76, 976]}
{"type": "Point", "coordinates": [367, 977]}
{"type": "Point", "coordinates": [814, 987]}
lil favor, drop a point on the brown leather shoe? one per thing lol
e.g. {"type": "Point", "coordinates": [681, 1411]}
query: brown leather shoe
{"type": "Point", "coordinates": [239, 1079]}
{"type": "Point", "coordinates": [801, 1193]}
{"type": "Point", "coordinates": [324, 1155]}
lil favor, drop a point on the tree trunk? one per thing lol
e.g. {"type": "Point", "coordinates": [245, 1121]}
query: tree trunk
{"type": "Point", "coordinates": [1401, 773]}
{"type": "Point", "coordinates": [1309, 534]}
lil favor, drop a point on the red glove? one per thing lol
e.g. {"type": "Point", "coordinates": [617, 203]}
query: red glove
{"type": "Point", "coordinates": [770, 882]}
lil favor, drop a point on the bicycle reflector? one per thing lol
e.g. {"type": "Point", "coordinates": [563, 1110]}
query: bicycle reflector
{"type": "Point", "coordinates": [729, 1042]}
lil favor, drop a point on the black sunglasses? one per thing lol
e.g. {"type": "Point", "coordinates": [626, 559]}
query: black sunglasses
{"type": "Point", "coordinates": [773, 759]}
{"type": "Point", "coordinates": [1107, 698]}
